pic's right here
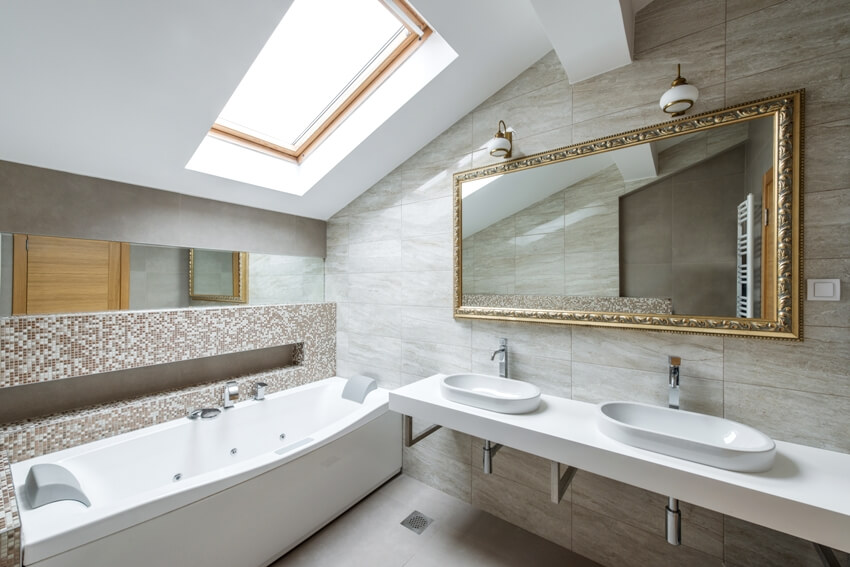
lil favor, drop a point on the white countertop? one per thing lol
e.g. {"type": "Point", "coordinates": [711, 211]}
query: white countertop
{"type": "Point", "coordinates": [805, 494]}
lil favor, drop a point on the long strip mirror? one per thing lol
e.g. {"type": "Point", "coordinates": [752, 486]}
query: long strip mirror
{"type": "Point", "coordinates": [689, 226]}
{"type": "Point", "coordinates": [51, 274]}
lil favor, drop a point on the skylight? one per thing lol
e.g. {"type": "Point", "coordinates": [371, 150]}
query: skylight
{"type": "Point", "coordinates": [321, 61]}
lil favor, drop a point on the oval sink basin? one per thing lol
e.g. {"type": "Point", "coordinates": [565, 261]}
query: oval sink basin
{"type": "Point", "coordinates": [491, 393]}
{"type": "Point", "coordinates": [692, 436]}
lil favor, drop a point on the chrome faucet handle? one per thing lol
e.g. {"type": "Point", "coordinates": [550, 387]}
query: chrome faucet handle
{"type": "Point", "coordinates": [231, 394]}
{"type": "Point", "coordinates": [260, 390]}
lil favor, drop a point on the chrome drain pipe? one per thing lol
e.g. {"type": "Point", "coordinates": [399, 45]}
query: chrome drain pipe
{"type": "Point", "coordinates": [489, 451]}
{"type": "Point", "coordinates": [674, 522]}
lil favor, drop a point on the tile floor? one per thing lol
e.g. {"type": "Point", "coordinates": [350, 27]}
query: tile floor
{"type": "Point", "coordinates": [370, 535]}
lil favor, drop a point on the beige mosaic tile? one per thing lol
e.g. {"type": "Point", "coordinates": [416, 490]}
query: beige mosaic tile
{"type": "Point", "coordinates": [10, 524]}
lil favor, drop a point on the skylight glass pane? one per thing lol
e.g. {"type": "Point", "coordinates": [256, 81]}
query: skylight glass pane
{"type": "Point", "coordinates": [319, 54]}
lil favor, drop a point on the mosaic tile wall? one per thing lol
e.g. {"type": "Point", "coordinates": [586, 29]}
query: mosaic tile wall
{"type": "Point", "coordinates": [10, 525]}
{"type": "Point", "coordinates": [39, 348]}
{"type": "Point", "coordinates": [49, 347]}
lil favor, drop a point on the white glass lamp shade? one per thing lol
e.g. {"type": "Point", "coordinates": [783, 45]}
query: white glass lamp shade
{"type": "Point", "coordinates": [500, 147]}
{"type": "Point", "coordinates": [679, 99]}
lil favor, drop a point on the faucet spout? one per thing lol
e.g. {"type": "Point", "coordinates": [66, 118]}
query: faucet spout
{"type": "Point", "coordinates": [503, 359]}
{"type": "Point", "coordinates": [673, 392]}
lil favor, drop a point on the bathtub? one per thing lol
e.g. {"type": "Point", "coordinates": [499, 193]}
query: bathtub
{"type": "Point", "coordinates": [239, 489]}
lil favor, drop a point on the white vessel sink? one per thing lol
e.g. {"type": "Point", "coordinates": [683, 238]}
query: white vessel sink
{"type": "Point", "coordinates": [491, 393]}
{"type": "Point", "coordinates": [692, 436]}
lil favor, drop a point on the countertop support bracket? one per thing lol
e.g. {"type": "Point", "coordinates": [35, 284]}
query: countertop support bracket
{"type": "Point", "coordinates": [827, 556]}
{"type": "Point", "coordinates": [407, 431]}
{"type": "Point", "coordinates": [558, 483]}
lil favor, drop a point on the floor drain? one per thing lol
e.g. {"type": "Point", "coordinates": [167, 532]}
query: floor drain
{"type": "Point", "coordinates": [416, 522]}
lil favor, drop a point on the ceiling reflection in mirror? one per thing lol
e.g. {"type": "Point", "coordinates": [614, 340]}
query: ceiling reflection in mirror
{"type": "Point", "coordinates": [146, 277]}
{"type": "Point", "coordinates": [679, 223]}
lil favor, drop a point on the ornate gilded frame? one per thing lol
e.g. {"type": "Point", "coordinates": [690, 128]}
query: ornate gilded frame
{"type": "Point", "coordinates": [787, 110]}
{"type": "Point", "coordinates": [240, 280]}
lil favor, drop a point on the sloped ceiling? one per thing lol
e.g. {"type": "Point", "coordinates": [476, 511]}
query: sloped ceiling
{"type": "Point", "coordinates": [126, 90]}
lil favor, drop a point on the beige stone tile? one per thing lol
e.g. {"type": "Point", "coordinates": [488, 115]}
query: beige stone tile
{"type": "Point", "coordinates": [432, 181]}
{"type": "Point", "coordinates": [367, 349]}
{"type": "Point", "coordinates": [702, 357]}
{"type": "Point", "coordinates": [427, 289]}
{"type": "Point", "coordinates": [389, 378]}
{"type": "Point", "coordinates": [534, 244]}
{"type": "Point", "coordinates": [382, 224]}
{"type": "Point", "coordinates": [818, 420]}
{"type": "Point", "coordinates": [538, 111]}
{"type": "Point", "coordinates": [814, 29]}
{"type": "Point", "coordinates": [550, 341]}
{"type": "Point", "coordinates": [827, 224]}
{"type": "Point", "coordinates": [522, 506]}
{"type": "Point", "coordinates": [829, 313]}
{"type": "Point", "coordinates": [609, 541]}
{"type": "Point", "coordinates": [594, 383]}
{"type": "Point", "coordinates": [451, 145]}
{"type": "Point", "coordinates": [818, 364]}
{"type": "Point", "coordinates": [749, 545]}
{"type": "Point", "coordinates": [515, 465]}
{"type": "Point", "coordinates": [337, 230]}
{"type": "Point", "coordinates": [827, 146]}
{"type": "Point", "coordinates": [546, 71]}
{"type": "Point", "coordinates": [371, 287]}
{"type": "Point", "coordinates": [376, 256]}
{"type": "Point", "coordinates": [428, 253]}
{"type": "Point", "coordinates": [384, 194]}
{"type": "Point", "coordinates": [435, 325]}
{"type": "Point", "coordinates": [666, 20]}
{"type": "Point", "coordinates": [551, 375]}
{"type": "Point", "coordinates": [600, 190]}
{"type": "Point", "coordinates": [442, 461]}
{"type": "Point", "coordinates": [701, 529]}
{"type": "Point", "coordinates": [543, 217]}
{"type": "Point", "coordinates": [433, 216]}
{"type": "Point", "coordinates": [826, 80]}
{"type": "Point", "coordinates": [738, 8]}
{"type": "Point", "coordinates": [336, 287]}
{"type": "Point", "coordinates": [540, 274]}
{"type": "Point", "coordinates": [426, 359]}
{"type": "Point", "coordinates": [701, 56]}
{"type": "Point", "coordinates": [647, 114]}
{"type": "Point", "coordinates": [370, 319]}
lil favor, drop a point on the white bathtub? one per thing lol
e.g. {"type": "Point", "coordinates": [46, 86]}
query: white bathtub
{"type": "Point", "coordinates": [228, 508]}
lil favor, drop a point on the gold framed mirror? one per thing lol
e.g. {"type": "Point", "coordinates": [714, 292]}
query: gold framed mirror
{"type": "Point", "coordinates": [692, 226]}
{"type": "Point", "coordinates": [218, 275]}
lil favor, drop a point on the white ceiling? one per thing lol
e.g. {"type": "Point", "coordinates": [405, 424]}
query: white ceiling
{"type": "Point", "coordinates": [127, 90]}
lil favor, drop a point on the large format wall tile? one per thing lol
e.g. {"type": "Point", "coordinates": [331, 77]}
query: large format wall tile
{"type": "Point", "coordinates": [786, 33]}
{"type": "Point", "coordinates": [662, 21]}
{"type": "Point", "coordinates": [609, 541]}
{"type": "Point", "coordinates": [827, 232]}
{"type": "Point", "coordinates": [749, 545]}
{"type": "Point", "coordinates": [818, 420]}
{"type": "Point", "coordinates": [523, 506]}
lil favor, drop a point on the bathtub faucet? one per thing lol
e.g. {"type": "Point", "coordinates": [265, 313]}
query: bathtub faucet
{"type": "Point", "coordinates": [204, 413]}
{"type": "Point", "coordinates": [231, 394]}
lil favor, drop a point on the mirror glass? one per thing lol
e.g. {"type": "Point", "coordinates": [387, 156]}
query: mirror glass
{"type": "Point", "coordinates": [218, 275]}
{"type": "Point", "coordinates": [678, 222]}
{"type": "Point", "coordinates": [148, 277]}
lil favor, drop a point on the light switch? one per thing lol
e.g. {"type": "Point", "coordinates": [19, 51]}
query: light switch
{"type": "Point", "coordinates": [824, 290]}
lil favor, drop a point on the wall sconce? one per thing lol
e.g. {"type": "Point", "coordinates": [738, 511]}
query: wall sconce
{"type": "Point", "coordinates": [680, 97]}
{"type": "Point", "coordinates": [502, 143]}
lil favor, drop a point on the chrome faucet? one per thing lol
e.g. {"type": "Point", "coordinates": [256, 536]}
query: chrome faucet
{"type": "Point", "coordinates": [204, 413]}
{"type": "Point", "coordinates": [231, 394]}
{"type": "Point", "coordinates": [260, 390]}
{"type": "Point", "coordinates": [503, 360]}
{"type": "Point", "coordinates": [673, 397]}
